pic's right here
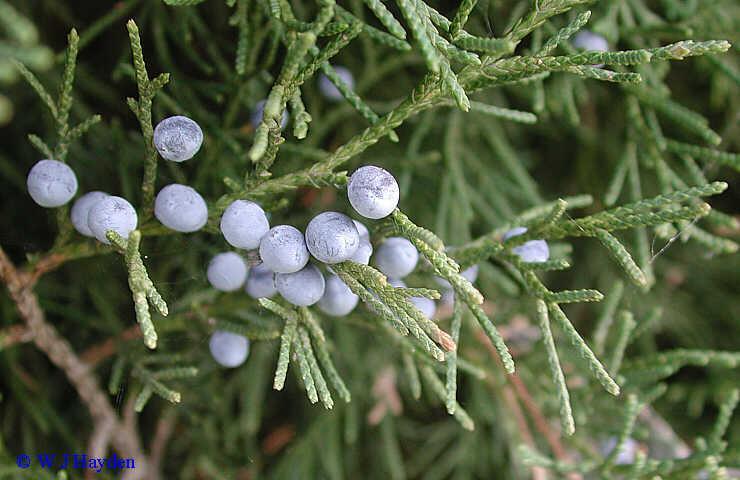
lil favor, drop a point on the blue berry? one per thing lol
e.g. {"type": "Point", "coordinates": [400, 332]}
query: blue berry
{"type": "Point", "coordinates": [338, 300]}
{"type": "Point", "coordinates": [590, 41]}
{"type": "Point", "coordinates": [362, 230]}
{"type": "Point", "coordinates": [81, 210]}
{"type": "Point", "coordinates": [332, 237]}
{"type": "Point", "coordinates": [180, 208]}
{"type": "Point", "coordinates": [177, 138]}
{"type": "Point", "coordinates": [243, 224]}
{"type": "Point", "coordinates": [227, 272]}
{"type": "Point", "coordinates": [228, 349]}
{"type": "Point", "coordinates": [283, 249]}
{"type": "Point", "coordinates": [365, 249]}
{"type": "Point", "coordinates": [260, 282]}
{"type": "Point", "coordinates": [112, 213]}
{"type": "Point", "coordinates": [426, 305]}
{"type": "Point", "coordinates": [302, 288]}
{"type": "Point", "coordinates": [533, 251]}
{"type": "Point", "coordinates": [363, 253]}
{"type": "Point", "coordinates": [373, 192]}
{"type": "Point", "coordinates": [51, 183]}
{"type": "Point", "coordinates": [396, 257]}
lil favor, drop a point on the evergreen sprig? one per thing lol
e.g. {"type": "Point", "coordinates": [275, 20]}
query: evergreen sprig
{"type": "Point", "coordinates": [60, 111]}
{"type": "Point", "coordinates": [304, 335]}
{"type": "Point", "coordinates": [394, 307]}
{"type": "Point", "coordinates": [142, 109]}
{"type": "Point", "coordinates": [142, 288]}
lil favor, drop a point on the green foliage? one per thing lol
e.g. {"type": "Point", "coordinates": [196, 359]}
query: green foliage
{"type": "Point", "coordinates": [19, 43]}
{"type": "Point", "coordinates": [530, 125]}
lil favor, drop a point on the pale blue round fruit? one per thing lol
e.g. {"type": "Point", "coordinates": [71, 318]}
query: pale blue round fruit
{"type": "Point", "coordinates": [180, 208]}
{"type": "Point", "coordinates": [260, 282]}
{"type": "Point", "coordinates": [373, 192]}
{"type": "Point", "coordinates": [533, 251]}
{"type": "Point", "coordinates": [332, 237]}
{"type": "Point", "coordinates": [228, 349]}
{"type": "Point", "coordinates": [112, 214]}
{"type": "Point", "coordinates": [590, 41]}
{"type": "Point", "coordinates": [227, 272]}
{"type": "Point", "coordinates": [177, 138]}
{"type": "Point", "coordinates": [338, 300]}
{"type": "Point", "coordinates": [283, 249]}
{"type": "Point", "coordinates": [396, 257]}
{"type": "Point", "coordinates": [363, 253]}
{"type": "Point", "coordinates": [81, 210]}
{"type": "Point", "coordinates": [427, 306]}
{"type": "Point", "coordinates": [362, 230]}
{"type": "Point", "coordinates": [243, 224]}
{"type": "Point", "coordinates": [302, 288]}
{"type": "Point", "coordinates": [51, 183]}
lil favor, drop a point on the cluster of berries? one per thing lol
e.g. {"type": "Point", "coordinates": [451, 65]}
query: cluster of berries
{"type": "Point", "coordinates": [284, 251]}
{"type": "Point", "coordinates": [52, 184]}
{"type": "Point", "coordinates": [330, 237]}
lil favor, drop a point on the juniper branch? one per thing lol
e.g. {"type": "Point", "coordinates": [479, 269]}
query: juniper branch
{"type": "Point", "coordinates": [323, 354]}
{"type": "Point", "coordinates": [566, 414]}
{"type": "Point", "coordinates": [606, 317]}
{"type": "Point", "coordinates": [439, 389]}
{"type": "Point", "coordinates": [286, 339]}
{"type": "Point", "coordinates": [142, 288]}
{"type": "Point", "coordinates": [451, 359]}
{"type": "Point", "coordinates": [626, 326]}
{"type": "Point", "coordinates": [583, 349]}
{"type": "Point", "coordinates": [142, 109]}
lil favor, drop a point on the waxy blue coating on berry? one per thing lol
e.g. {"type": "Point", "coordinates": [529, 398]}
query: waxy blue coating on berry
{"type": "Point", "coordinates": [590, 41]}
{"type": "Point", "coordinates": [533, 251]}
{"type": "Point", "coordinates": [283, 249]}
{"type": "Point", "coordinates": [112, 213]}
{"type": "Point", "coordinates": [362, 230]}
{"type": "Point", "coordinates": [302, 288]}
{"type": "Point", "coordinates": [338, 300]}
{"type": "Point", "coordinates": [396, 257]}
{"type": "Point", "coordinates": [243, 224]}
{"type": "Point", "coordinates": [228, 349]}
{"type": "Point", "coordinates": [81, 210]}
{"type": "Point", "coordinates": [227, 272]}
{"type": "Point", "coordinates": [177, 138]}
{"type": "Point", "coordinates": [51, 183]}
{"type": "Point", "coordinates": [363, 253]}
{"type": "Point", "coordinates": [329, 90]}
{"type": "Point", "coordinates": [332, 237]}
{"type": "Point", "coordinates": [373, 192]}
{"type": "Point", "coordinates": [180, 208]}
{"type": "Point", "coordinates": [260, 282]}
{"type": "Point", "coordinates": [259, 109]}
{"type": "Point", "coordinates": [426, 305]}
